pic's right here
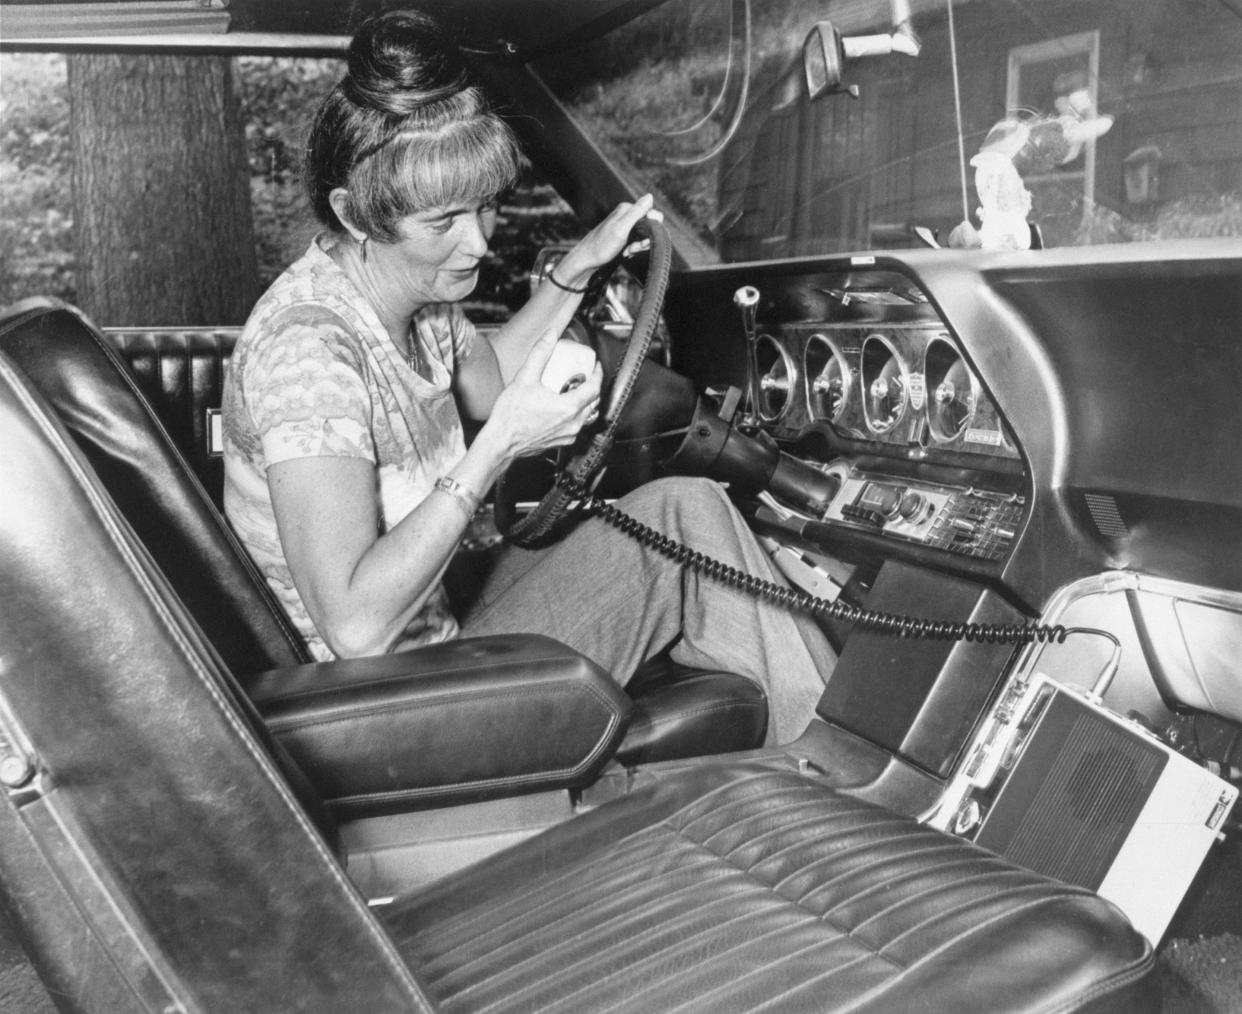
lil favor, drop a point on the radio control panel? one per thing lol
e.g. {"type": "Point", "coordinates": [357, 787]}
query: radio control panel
{"type": "Point", "coordinates": [968, 521]}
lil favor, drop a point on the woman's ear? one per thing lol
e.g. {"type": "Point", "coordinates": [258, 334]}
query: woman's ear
{"type": "Point", "coordinates": [338, 198]}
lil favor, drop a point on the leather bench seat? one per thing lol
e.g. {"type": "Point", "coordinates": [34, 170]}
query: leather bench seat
{"type": "Point", "coordinates": [739, 887]}
{"type": "Point", "coordinates": [155, 854]}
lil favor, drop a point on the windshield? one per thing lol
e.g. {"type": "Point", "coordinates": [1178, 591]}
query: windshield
{"type": "Point", "coordinates": [995, 123]}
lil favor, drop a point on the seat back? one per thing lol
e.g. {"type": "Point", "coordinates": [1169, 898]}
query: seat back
{"type": "Point", "coordinates": [151, 854]}
{"type": "Point", "coordinates": [96, 397]}
{"type": "Point", "coordinates": [121, 394]}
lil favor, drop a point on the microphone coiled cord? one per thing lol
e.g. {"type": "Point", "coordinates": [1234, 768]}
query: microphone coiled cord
{"type": "Point", "coordinates": [791, 598]}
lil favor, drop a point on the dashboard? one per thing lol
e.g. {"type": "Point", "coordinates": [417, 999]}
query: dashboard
{"type": "Point", "coordinates": [921, 455]}
{"type": "Point", "coordinates": [998, 427]}
{"type": "Point", "coordinates": [905, 388]}
{"type": "Point", "coordinates": [1091, 394]}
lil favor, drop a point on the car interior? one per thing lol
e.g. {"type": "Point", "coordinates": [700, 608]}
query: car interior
{"type": "Point", "coordinates": [1004, 482]}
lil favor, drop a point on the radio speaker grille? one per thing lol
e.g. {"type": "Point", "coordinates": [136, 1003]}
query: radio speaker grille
{"type": "Point", "coordinates": [1073, 795]}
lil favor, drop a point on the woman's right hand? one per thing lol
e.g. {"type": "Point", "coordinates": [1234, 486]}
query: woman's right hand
{"type": "Point", "coordinates": [532, 417]}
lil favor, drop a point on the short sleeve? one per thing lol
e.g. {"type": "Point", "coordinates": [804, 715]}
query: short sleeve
{"type": "Point", "coordinates": [306, 390]}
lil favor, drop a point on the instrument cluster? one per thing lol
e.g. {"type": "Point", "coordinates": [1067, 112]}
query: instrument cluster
{"type": "Point", "coordinates": [905, 386]}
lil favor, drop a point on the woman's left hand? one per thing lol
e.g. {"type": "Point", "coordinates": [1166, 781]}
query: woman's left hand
{"type": "Point", "coordinates": [603, 243]}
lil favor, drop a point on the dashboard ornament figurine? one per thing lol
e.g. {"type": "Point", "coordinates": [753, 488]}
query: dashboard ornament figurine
{"type": "Point", "coordinates": [1019, 146]}
{"type": "Point", "coordinates": [1004, 201]}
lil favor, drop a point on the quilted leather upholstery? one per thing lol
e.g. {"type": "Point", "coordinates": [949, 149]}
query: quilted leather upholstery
{"type": "Point", "coordinates": [736, 887]}
{"type": "Point", "coordinates": [182, 374]}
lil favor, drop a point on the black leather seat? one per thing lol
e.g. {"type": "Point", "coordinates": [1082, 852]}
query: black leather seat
{"type": "Point", "coordinates": [153, 856]}
{"type": "Point", "coordinates": [677, 711]}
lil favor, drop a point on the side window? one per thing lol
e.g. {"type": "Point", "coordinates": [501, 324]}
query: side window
{"type": "Point", "coordinates": [278, 98]}
{"type": "Point", "coordinates": [36, 215]}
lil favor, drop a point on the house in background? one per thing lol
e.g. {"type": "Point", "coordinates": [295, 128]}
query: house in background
{"type": "Point", "coordinates": [872, 167]}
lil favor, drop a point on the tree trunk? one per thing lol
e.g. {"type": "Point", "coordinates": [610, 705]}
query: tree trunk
{"type": "Point", "coordinates": [160, 191]}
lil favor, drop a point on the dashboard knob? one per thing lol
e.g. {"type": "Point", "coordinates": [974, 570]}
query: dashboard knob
{"type": "Point", "coordinates": [913, 506]}
{"type": "Point", "coordinates": [886, 500]}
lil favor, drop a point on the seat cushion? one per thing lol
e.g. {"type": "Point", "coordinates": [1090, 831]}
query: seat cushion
{"type": "Point", "coordinates": [683, 712]}
{"type": "Point", "coordinates": [740, 887]}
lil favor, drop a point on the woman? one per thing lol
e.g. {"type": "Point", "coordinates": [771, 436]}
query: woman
{"type": "Point", "coordinates": [347, 475]}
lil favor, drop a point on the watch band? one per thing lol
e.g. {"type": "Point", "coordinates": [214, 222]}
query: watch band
{"type": "Point", "coordinates": [464, 498]}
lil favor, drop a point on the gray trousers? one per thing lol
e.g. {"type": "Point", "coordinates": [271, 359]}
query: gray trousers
{"type": "Point", "coordinates": [619, 602]}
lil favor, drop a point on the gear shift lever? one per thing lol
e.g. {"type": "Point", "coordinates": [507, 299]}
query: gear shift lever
{"type": "Point", "coordinates": [746, 299]}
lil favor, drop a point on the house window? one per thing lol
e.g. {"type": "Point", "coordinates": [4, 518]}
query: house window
{"type": "Point", "coordinates": [1044, 78]}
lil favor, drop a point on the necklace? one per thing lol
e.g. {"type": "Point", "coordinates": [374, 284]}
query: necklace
{"type": "Point", "coordinates": [413, 357]}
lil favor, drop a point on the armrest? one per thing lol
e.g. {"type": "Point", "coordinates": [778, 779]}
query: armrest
{"type": "Point", "coordinates": [450, 723]}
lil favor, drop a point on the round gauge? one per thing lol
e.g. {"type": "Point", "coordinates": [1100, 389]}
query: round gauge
{"type": "Point", "coordinates": [828, 378]}
{"type": "Point", "coordinates": [777, 374]}
{"type": "Point", "coordinates": [885, 385]}
{"type": "Point", "coordinates": [951, 392]}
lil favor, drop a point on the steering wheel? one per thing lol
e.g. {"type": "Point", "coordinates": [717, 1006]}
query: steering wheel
{"type": "Point", "coordinates": [585, 457]}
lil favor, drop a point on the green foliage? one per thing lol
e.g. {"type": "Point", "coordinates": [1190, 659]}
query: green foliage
{"type": "Point", "coordinates": [659, 93]}
{"type": "Point", "coordinates": [36, 225]}
{"type": "Point", "coordinates": [279, 99]}
{"type": "Point", "coordinates": [1189, 218]}
{"type": "Point", "coordinates": [279, 96]}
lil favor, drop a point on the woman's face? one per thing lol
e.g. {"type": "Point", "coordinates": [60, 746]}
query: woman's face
{"type": "Point", "coordinates": [437, 254]}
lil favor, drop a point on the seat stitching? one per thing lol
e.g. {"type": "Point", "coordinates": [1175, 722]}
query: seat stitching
{"type": "Point", "coordinates": [888, 909]}
{"type": "Point", "coordinates": [980, 927]}
{"type": "Point", "coordinates": [717, 958]}
{"type": "Point", "coordinates": [1044, 892]}
{"type": "Point", "coordinates": [865, 846]}
{"type": "Point", "coordinates": [645, 838]}
{"type": "Point", "coordinates": [758, 838]}
{"type": "Point", "coordinates": [640, 842]}
{"type": "Point", "coordinates": [864, 954]}
{"type": "Point", "coordinates": [607, 884]}
{"type": "Point", "coordinates": [629, 914]}
{"type": "Point", "coordinates": [802, 786]}
{"type": "Point", "coordinates": [779, 900]}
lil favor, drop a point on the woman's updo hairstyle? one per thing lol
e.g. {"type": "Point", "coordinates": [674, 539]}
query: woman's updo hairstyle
{"type": "Point", "coordinates": [406, 130]}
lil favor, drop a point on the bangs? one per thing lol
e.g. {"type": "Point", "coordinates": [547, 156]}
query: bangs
{"type": "Point", "coordinates": [469, 161]}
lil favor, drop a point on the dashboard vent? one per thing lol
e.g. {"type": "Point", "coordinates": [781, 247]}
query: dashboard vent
{"type": "Point", "coordinates": [1107, 518]}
